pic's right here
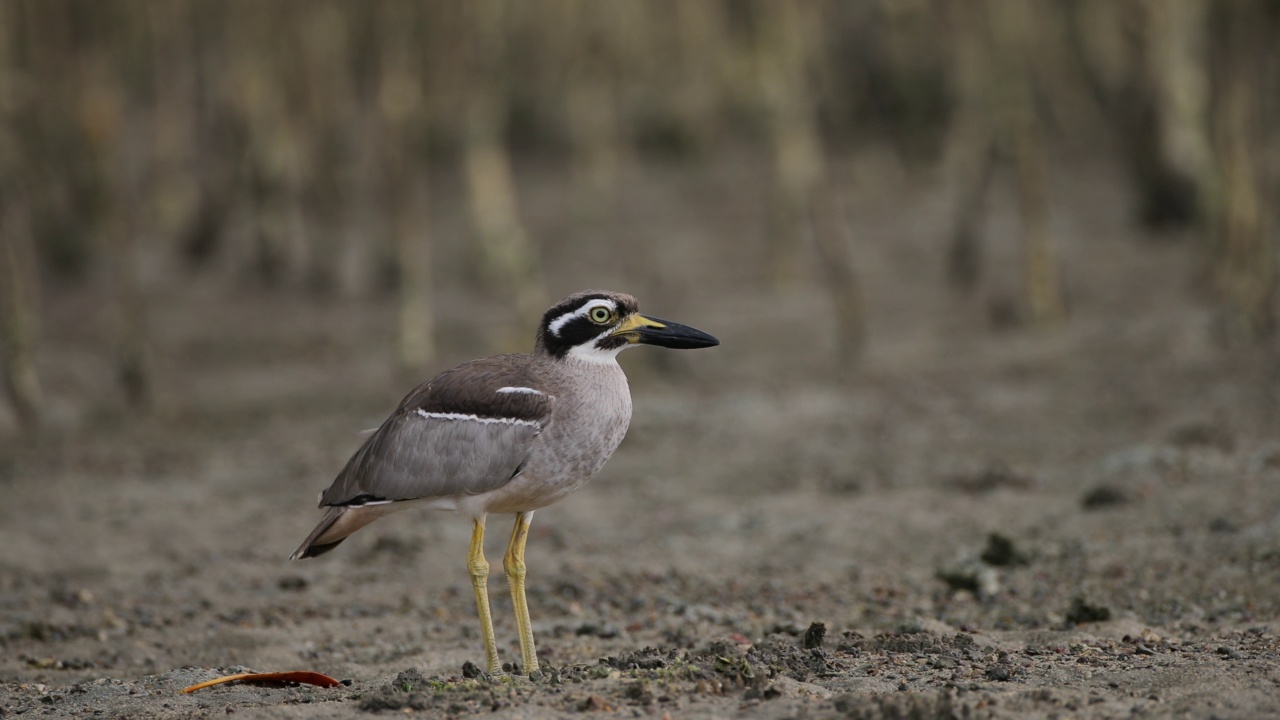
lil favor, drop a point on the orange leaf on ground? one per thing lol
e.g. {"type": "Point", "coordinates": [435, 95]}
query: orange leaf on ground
{"type": "Point", "coordinates": [295, 677]}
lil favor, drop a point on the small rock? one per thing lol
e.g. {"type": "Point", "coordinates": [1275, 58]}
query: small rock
{"type": "Point", "coordinates": [600, 630]}
{"type": "Point", "coordinates": [292, 583]}
{"type": "Point", "coordinates": [1001, 552]}
{"type": "Point", "coordinates": [408, 680]}
{"type": "Point", "coordinates": [1085, 612]}
{"type": "Point", "coordinates": [814, 636]}
{"type": "Point", "coordinates": [978, 578]}
{"type": "Point", "coordinates": [1105, 496]}
{"type": "Point", "coordinates": [999, 673]}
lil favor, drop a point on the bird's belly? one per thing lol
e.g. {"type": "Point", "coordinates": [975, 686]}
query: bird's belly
{"type": "Point", "coordinates": [527, 493]}
{"type": "Point", "coordinates": [546, 480]}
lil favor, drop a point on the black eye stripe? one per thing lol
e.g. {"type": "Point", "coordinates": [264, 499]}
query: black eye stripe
{"type": "Point", "coordinates": [556, 324]}
{"type": "Point", "coordinates": [569, 324]}
{"type": "Point", "coordinates": [581, 329]}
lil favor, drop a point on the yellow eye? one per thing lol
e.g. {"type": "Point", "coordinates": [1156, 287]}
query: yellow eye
{"type": "Point", "coordinates": [600, 315]}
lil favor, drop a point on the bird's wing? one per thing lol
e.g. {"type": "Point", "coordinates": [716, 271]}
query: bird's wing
{"type": "Point", "coordinates": [466, 431]}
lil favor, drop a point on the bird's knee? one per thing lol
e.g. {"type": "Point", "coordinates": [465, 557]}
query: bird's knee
{"type": "Point", "coordinates": [479, 568]}
{"type": "Point", "coordinates": [514, 568]}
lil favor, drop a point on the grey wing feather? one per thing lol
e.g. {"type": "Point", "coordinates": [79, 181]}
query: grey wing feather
{"type": "Point", "coordinates": [439, 444]}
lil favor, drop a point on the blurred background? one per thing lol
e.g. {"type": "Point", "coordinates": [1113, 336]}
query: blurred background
{"type": "Point", "coordinates": [977, 267]}
{"type": "Point", "coordinates": [461, 165]}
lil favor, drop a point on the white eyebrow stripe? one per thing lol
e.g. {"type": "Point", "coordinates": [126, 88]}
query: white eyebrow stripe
{"type": "Point", "coordinates": [560, 322]}
{"type": "Point", "coordinates": [520, 390]}
{"type": "Point", "coordinates": [476, 418]}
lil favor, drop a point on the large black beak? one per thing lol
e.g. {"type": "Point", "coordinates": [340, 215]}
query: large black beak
{"type": "Point", "coordinates": [652, 331]}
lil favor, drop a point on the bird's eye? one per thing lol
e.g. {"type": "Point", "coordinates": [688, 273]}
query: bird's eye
{"type": "Point", "coordinates": [600, 315]}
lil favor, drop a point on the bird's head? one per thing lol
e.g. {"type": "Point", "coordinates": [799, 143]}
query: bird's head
{"type": "Point", "coordinates": [598, 324]}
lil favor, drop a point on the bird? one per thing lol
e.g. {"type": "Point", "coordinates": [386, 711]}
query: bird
{"type": "Point", "coordinates": [505, 434]}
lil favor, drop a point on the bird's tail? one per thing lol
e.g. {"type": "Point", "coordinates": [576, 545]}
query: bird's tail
{"type": "Point", "coordinates": [338, 523]}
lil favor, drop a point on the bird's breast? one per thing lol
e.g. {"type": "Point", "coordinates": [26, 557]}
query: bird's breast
{"type": "Point", "coordinates": [587, 426]}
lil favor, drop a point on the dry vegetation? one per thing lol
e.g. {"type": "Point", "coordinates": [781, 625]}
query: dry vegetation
{"type": "Point", "coordinates": [291, 143]}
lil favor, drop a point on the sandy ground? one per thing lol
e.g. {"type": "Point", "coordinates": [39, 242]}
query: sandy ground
{"type": "Point", "coordinates": [975, 522]}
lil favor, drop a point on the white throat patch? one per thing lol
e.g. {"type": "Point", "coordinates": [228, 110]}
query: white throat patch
{"type": "Point", "coordinates": [588, 351]}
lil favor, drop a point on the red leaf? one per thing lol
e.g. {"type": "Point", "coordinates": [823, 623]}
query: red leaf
{"type": "Point", "coordinates": [294, 677]}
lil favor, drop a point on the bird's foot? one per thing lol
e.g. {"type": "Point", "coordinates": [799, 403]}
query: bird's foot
{"type": "Point", "coordinates": [514, 669]}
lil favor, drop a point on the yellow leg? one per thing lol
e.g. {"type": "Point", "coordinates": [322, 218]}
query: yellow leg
{"type": "Point", "coordinates": [479, 568]}
{"type": "Point", "coordinates": [513, 563]}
